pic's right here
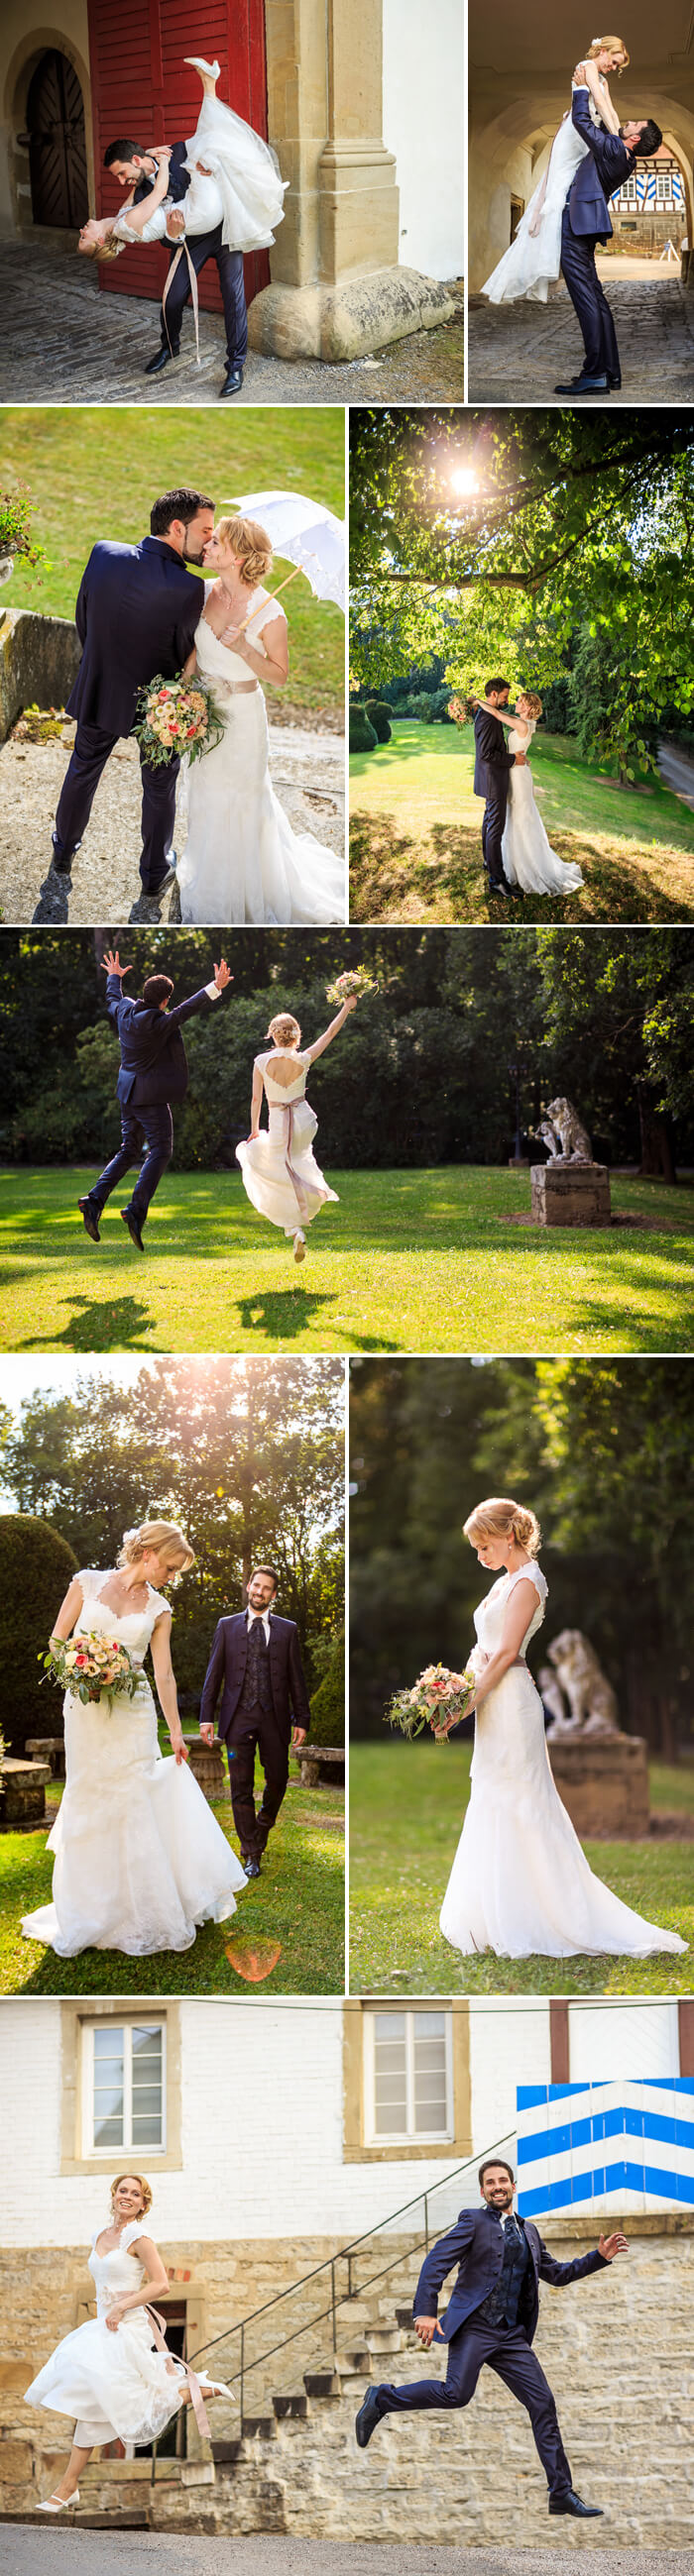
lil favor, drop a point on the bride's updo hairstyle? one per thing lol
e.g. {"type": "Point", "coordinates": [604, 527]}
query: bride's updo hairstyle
{"type": "Point", "coordinates": [531, 701]}
{"type": "Point", "coordinates": [144, 2187]}
{"type": "Point", "coordinates": [499, 1517]}
{"type": "Point", "coordinates": [285, 1030]}
{"type": "Point", "coordinates": [251, 546]}
{"type": "Point", "coordinates": [170, 1542]}
{"type": "Point", "coordinates": [607, 45]}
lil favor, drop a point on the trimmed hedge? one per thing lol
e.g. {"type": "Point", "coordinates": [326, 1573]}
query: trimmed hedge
{"type": "Point", "coordinates": [36, 1566]}
{"type": "Point", "coordinates": [379, 716]}
{"type": "Point", "coordinates": [361, 732]}
{"type": "Point", "coordinates": [328, 1705]}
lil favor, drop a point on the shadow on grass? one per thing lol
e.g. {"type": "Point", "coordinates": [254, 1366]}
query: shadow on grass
{"type": "Point", "coordinates": [441, 876]}
{"type": "Point", "coordinates": [283, 1312]}
{"type": "Point", "coordinates": [127, 1324]}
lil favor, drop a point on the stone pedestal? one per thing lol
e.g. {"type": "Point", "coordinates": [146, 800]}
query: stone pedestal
{"type": "Point", "coordinates": [603, 1782]}
{"type": "Point", "coordinates": [209, 1767]}
{"type": "Point", "coordinates": [50, 1749]}
{"type": "Point", "coordinates": [24, 1791]}
{"type": "Point", "coordinates": [570, 1193]}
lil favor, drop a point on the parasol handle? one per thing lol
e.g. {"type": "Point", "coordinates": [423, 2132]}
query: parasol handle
{"type": "Point", "coordinates": [274, 594]}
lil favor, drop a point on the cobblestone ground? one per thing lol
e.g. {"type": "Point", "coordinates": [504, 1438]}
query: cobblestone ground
{"type": "Point", "coordinates": [518, 352]}
{"type": "Point", "coordinates": [139, 2553]}
{"type": "Point", "coordinates": [308, 774]}
{"type": "Point", "coordinates": [65, 341]}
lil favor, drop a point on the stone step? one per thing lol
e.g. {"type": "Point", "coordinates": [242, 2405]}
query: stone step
{"type": "Point", "coordinates": [292, 2403]}
{"type": "Point", "coordinates": [321, 2383]}
{"type": "Point", "coordinates": [264, 2426]}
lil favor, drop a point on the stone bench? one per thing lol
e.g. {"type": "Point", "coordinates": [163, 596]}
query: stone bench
{"type": "Point", "coordinates": [48, 1748]}
{"type": "Point", "coordinates": [23, 1786]}
{"type": "Point", "coordinates": [321, 1765]}
{"type": "Point", "coordinates": [570, 1194]}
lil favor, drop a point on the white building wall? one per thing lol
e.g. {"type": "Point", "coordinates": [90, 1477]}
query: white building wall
{"type": "Point", "coordinates": [509, 2045]}
{"type": "Point", "coordinates": [424, 125]}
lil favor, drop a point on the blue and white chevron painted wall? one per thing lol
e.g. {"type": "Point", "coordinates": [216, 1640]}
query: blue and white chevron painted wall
{"type": "Point", "coordinates": [622, 2145]}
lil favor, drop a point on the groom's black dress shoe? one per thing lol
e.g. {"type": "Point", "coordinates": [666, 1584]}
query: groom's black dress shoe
{"type": "Point", "coordinates": [133, 1226]}
{"type": "Point", "coordinates": [573, 2503]}
{"type": "Point", "coordinates": [585, 385]}
{"type": "Point", "coordinates": [232, 383]}
{"type": "Point", "coordinates": [89, 1216]}
{"type": "Point", "coordinates": [161, 359]}
{"type": "Point", "coordinates": [251, 1866]}
{"type": "Point", "coordinates": [615, 384]}
{"type": "Point", "coordinates": [368, 2417]}
{"type": "Point", "coordinates": [63, 864]}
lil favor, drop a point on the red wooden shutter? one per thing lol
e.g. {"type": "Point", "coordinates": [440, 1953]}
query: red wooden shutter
{"type": "Point", "coordinates": [142, 87]}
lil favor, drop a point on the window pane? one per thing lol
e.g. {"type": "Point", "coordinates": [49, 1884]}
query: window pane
{"type": "Point", "coordinates": [146, 2043]}
{"type": "Point", "coordinates": [147, 2129]}
{"type": "Point", "coordinates": [430, 2072]}
{"type": "Point", "coordinates": [108, 2041]}
{"type": "Point", "coordinates": [108, 2133]}
{"type": "Point", "coordinates": [390, 2074]}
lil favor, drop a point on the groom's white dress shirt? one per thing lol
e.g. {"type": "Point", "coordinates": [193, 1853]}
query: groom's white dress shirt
{"type": "Point", "coordinates": [264, 1616]}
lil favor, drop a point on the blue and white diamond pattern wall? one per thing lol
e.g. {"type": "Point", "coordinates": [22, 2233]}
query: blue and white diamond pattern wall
{"type": "Point", "coordinates": [620, 2146]}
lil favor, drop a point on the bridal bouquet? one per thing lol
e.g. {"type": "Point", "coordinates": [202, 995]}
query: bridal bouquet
{"type": "Point", "coordinates": [461, 710]}
{"type": "Point", "coordinates": [176, 716]}
{"type": "Point", "coordinates": [92, 1666]}
{"type": "Point", "coordinates": [438, 1697]}
{"type": "Point", "coordinates": [356, 979]}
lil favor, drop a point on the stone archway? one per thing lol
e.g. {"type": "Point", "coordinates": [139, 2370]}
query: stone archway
{"type": "Point", "coordinates": [21, 75]}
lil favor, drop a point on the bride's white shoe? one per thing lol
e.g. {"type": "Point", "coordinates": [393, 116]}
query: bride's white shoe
{"type": "Point", "coordinates": [59, 2504]}
{"type": "Point", "coordinates": [215, 2387]}
{"type": "Point", "coordinates": [198, 64]}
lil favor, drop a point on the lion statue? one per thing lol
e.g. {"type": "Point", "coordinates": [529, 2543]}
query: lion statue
{"type": "Point", "coordinates": [562, 1132]}
{"type": "Point", "coordinates": [592, 1701]}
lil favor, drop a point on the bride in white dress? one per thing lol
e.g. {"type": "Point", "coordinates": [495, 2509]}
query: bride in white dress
{"type": "Point", "coordinates": [140, 1860]}
{"type": "Point", "coordinates": [280, 1173]}
{"type": "Point", "coordinates": [114, 2374]}
{"type": "Point", "coordinates": [528, 858]}
{"type": "Point", "coordinates": [520, 1883]}
{"type": "Point", "coordinates": [534, 258]}
{"type": "Point", "coordinates": [242, 863]}
{"type": "Point", "coordinates": [235, 181]}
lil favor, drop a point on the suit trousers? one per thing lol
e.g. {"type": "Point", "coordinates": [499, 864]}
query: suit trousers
{"type": "Point", "coordinates": [493, 822]}
{"type": "Point", "coordinates": [92, 749]}
{"type": "Point", "coordinates": [202, 247]}
{"type": "Point", "coordinates": [256, 1729]}
{"type": "Point", "coordinates": [151, 1127]}
{"type": "Point", "coordinates": [590, 304]}
{"type": "Point", "coordinates": [507, 2351]}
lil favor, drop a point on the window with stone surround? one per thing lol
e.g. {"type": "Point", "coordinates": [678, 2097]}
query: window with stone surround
{"type": "Point", "coordinates": [124, 2086]}
{"type": "Point", "coordinates": [408, 2077]}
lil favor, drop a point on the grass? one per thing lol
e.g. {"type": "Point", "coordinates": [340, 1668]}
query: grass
{"type": "Point", "coordinates": [404, 1824]}
{"type": "Point", "coordinates": [298, 1900]}
{"type": "Point", "coordinates": [409, 1260]}
{"type": "Point", "coordinates": [96, 476]}
{"type": "Point", "coordinates": [415, 827]}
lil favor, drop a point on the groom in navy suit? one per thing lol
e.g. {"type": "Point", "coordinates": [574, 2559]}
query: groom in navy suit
{"type": "Point", "coordinates": [586, 223]}
{"type": "Point", "coordinates": [153, 1073]}
{"type": "Point", "coordinates": [256, 1664]}
{"type": "Point", "coordinates": [137, 170]}
{"type": "Point", "coordinates": [136, 615]}
{"type": "Point", "coordinates": [493, 764]}
{"type": "Point", "coordinates": [492, 2317]}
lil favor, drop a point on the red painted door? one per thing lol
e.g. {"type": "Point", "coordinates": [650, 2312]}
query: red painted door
{"type": "Point", "coordinates": [143, 89]}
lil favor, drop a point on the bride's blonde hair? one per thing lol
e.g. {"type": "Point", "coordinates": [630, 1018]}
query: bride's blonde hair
{"type": "Point", "coordinates": [170, 1542]}
{"type": "Point", "coordinates": [500, 1517]}
{"type": "Point", "coordinates": [108, 249]}
{"type": "Point", "coordinates": [531, 701]}
{"type": "Point", "coordinates": [285, 1030]}
{"type": "Point", "coordinates": [251, 545]}
{"type": "Point", "coordinates": [607, 45]}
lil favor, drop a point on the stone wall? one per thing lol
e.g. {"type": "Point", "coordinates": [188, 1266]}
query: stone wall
{"type": "Point", "coordinates": [39, 661]}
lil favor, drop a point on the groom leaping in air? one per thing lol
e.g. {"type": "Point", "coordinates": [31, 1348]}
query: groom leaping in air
{"type": "Point", "coordinates": [153, 1073]}
{"type": "Point", "coordinates": [586, 223]}
{"type": "Point", "coordinates": [492, 2318]}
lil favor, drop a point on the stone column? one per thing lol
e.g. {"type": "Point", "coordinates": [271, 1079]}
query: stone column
{"type": "Point", "coordinates": [336, 290]}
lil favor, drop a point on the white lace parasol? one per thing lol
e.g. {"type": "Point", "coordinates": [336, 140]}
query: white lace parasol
{"type": "Point", "coordinates": [308, 536]}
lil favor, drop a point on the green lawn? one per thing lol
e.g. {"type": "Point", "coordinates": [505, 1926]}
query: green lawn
{"type": "Point", "coordinates": [415, 836]}
{"type": "Point", "coordinates": [96, 475]}
{"type": "Point", "coordinates": [408, 1261]}
{"type": "Point", "coordinates": [406, 1813]}
{"type": "Point", "coordinates": [298, 1900]}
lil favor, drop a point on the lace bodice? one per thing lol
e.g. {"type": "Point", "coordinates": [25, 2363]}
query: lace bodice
{"type": "Point", "coordinates": [490, 1614]}
{"type": "Point", "coordinates": [132, 1627]}
{"type": "Point", "coordinates": [218, 661]}
{"type": "Point", "coordinates": [118, 2270]}
{"type": "Point", "coordinates": [522, 741]}
{"type": "Point", "coordinates": [279, 1093]}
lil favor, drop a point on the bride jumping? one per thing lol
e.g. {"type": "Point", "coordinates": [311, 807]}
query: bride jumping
{"type": "Point", "coordinates": [280, 1174]}
{"type": "Point", "coordinates": [242, 863]}
{"type": "Point", "coordinates": [534, 258]}
{"type": "Point", "coordinates": [235, 181]}
{"type": "Point", "coordinates": [528, 858]}
{"type": "Point", "coordinates": [140, 1860]}
{"type": "Point", "coordinates": [520, 1883]}
{"type": "Point", "coordinates": [114, 2373]}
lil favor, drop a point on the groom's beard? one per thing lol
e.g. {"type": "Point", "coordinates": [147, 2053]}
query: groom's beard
{"type": "Point", "coordinates": [190, 558]}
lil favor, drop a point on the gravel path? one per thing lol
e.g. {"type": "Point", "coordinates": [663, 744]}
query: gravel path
{"type": "Point", "coordinates": [94, 2553]}
{"type": "Point", "coordinates": [308, 774]}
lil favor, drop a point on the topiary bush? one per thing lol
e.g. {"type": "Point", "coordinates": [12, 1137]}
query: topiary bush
{"type": "Point", "coordinates": [379, 716]}
{"type": "Point", "coordinates": [328, 1704]}
{"type": "Point", "coordinates": [36, 1566]}
{"type": "Point", "coordinates": [361, 732]}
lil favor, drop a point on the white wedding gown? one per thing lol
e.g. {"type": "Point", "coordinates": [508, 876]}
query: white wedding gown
{"type": "Point", "coordinates": [242, 863]}
{"type": "Point", "coordinates": [140, 1860]}
{"type": "Point", "coordinates": [117, 2387]}
{"type": "Point", "coordinates": [529, 861]}
{"type": "Point", "coordinates": [244, 192]}
{"type": "Point", "coordinates": [280, 1173]}
{"type": "Point", "coordinates": [520, 1883]}
{"type": "Point", "coordinates": [534, 259]}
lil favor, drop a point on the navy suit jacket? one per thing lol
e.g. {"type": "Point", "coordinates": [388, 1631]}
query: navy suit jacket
{"type": "Point", "coordinates": [609, 161]}
{"type": "Point", "coordinates": [227, 1666]}
{"type": "Point", "coordinates": [136, 614]}
{"type": "Point", "coordinates": [153, 1063]}
{"type": "Point", "coordinates": [492, 758]}
{"type": "Point", "coordinates": [476, 2244]}
{"type": "Point", "coordinates": [179, 179]}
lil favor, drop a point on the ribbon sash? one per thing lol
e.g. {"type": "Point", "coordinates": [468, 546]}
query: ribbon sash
{"type": "Point", "coordinates": [171, 272]}
{"type": "Point", "coordinates": [180, 2369]}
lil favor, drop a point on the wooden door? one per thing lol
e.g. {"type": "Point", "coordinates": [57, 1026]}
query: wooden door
{"type": "Point", "coordinates": [143, 89]}
{"type": "Point", "coordinates": [57, 148]}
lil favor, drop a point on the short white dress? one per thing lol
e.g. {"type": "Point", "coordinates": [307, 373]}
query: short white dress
{"type": "Point", "coordinates": [244, 191]}
{"type": "Point", "coordinates": [118, 2387]}
{"type": "Point", "coordinates": [280, 1173]}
